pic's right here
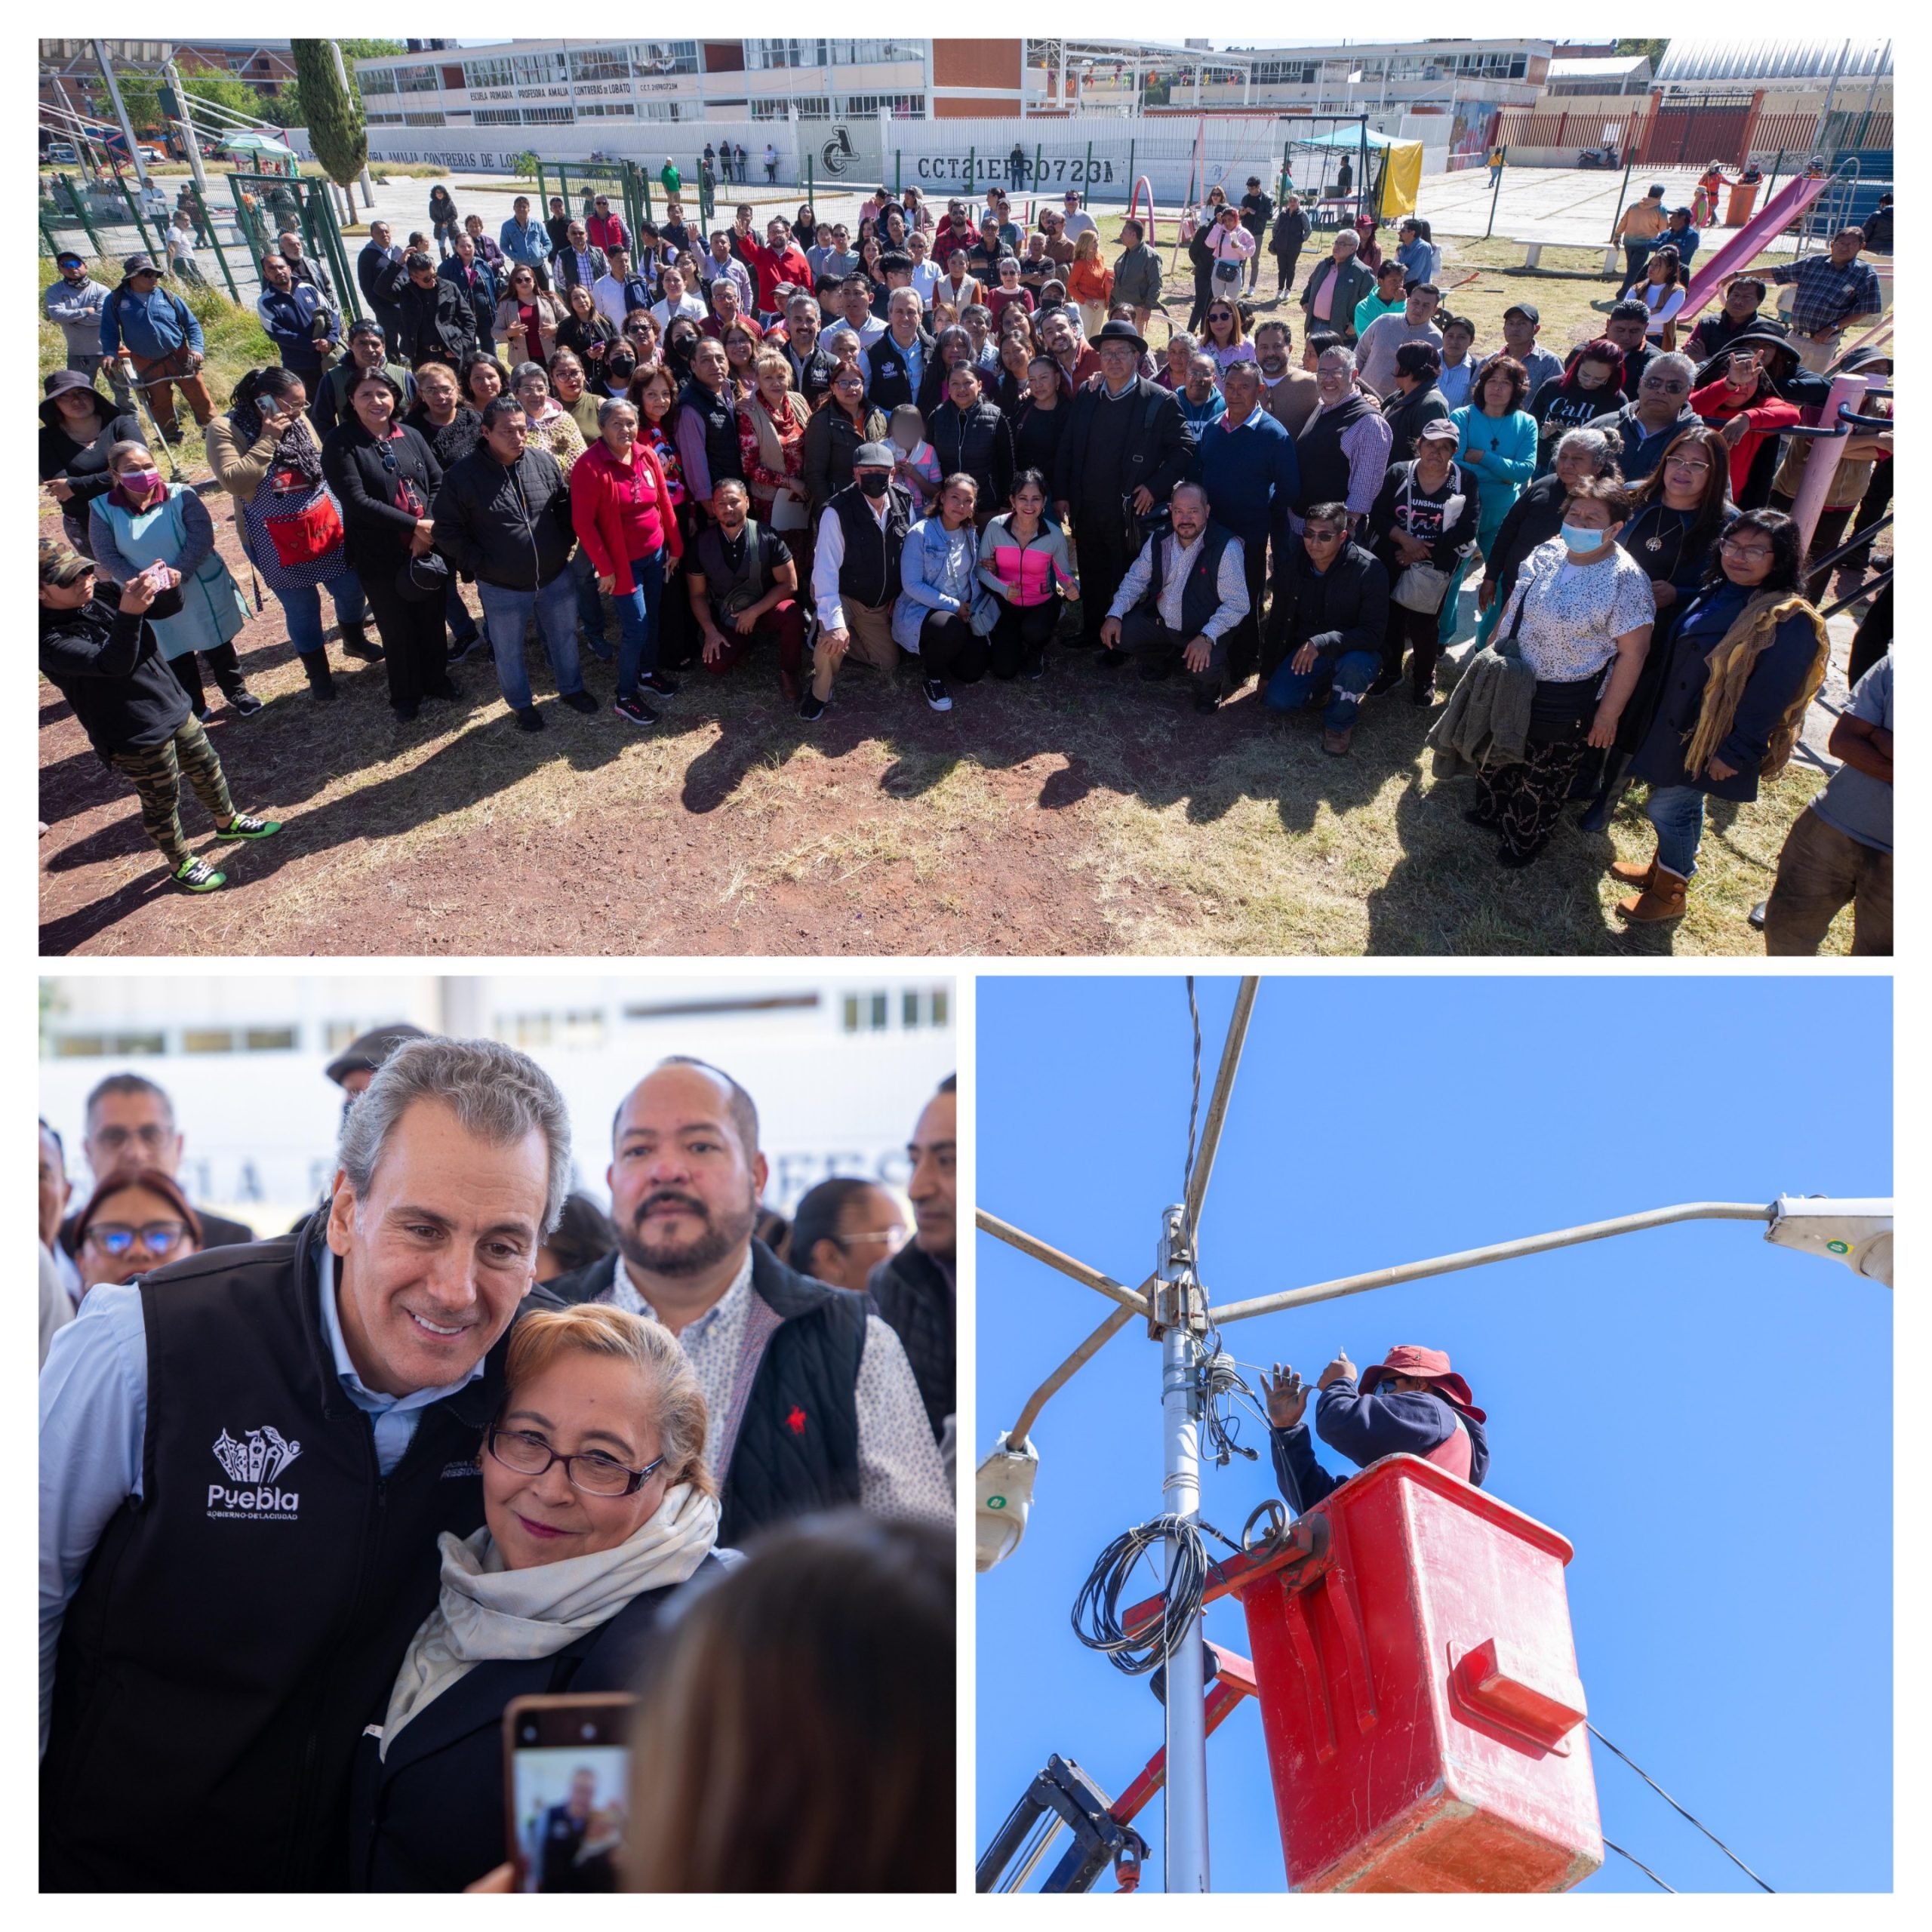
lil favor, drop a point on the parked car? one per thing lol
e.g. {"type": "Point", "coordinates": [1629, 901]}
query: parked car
{"type": "Point", "coordinates": [59, 154]}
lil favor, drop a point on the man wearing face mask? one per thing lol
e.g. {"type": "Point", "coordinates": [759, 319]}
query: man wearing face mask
{"type": "Point", "coordinates": [326, 1392]}
{"type": "Point", "coordinates": [813, 1402]}
{"type": "Point", "coordinates": [855, 573]}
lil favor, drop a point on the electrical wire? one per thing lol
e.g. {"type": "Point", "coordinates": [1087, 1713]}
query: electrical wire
{"type": "Point", "coordinates": [1679, 1809]}
{"type": "Point", "coordinates": [1641, 1866]}
{"type": "Point", "coordinates": [1097, 1610]}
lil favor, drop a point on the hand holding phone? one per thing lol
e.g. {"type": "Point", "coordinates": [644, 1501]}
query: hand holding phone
{"type": "Point", "coordinates": [567, 1790]}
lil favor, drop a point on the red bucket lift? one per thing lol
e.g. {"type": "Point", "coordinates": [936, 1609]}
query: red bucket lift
{"type": "Point", "coordinates": [1424, 1721]}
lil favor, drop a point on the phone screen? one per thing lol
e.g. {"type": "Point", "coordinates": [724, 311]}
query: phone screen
{"type": "Point", "coordinates": [568, 1790]}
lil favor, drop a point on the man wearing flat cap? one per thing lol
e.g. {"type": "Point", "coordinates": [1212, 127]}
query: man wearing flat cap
{"type": "Point", "coordinates": [1411, 1403]}
{"type": "Point", "coordinates": [1125, 447]}
{"type": "Point", "coordinates": [855, 573]}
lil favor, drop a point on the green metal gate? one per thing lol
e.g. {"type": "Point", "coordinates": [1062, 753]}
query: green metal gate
{"type": "Point", "coordinates": [262, 200]}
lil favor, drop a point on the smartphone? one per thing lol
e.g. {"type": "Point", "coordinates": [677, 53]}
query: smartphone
{"type": "Point", "coordinates": [567, 1790]}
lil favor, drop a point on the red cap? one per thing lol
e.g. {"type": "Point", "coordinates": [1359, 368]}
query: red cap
{"type": "Point", "coordinates": [1426, 1365]}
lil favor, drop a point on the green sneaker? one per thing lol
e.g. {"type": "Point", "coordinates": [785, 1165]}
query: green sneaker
{"type": "Point", "coordinates": [242, 826]}
{"type": "Point", "coordinates": [198, 875]}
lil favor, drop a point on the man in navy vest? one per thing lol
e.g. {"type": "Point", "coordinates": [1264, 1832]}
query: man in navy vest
{"type": "Point", "coordinates": [1180, 597]}
{"type": "Point", "coordinates": [915, 1288]}
{"type": "Point", "coordinates": [246, 1459]}
{"type": "Point", "coordinates": [1411, 1403]}
{"type": "Point", "coordinates": [813, 1404]}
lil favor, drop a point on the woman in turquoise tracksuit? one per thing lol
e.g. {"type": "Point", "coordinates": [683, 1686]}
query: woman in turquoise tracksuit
{"type": "Point", "coordinates": [1497, 438]}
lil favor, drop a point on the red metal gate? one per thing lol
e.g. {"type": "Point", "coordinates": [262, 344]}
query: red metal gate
{"type": "Point", "coordinates": [1691, 134]}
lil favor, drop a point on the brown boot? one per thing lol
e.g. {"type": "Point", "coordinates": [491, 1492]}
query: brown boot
{"type": "Point", "coordinates": [1625, 873]}
{"type": "Point", "coordinates": [1661, 899]}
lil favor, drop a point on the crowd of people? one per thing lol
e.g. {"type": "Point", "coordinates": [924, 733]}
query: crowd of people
{"type": "Point", "coordinates": [510, 1444]}
{"type": "Point", "coordinates": [930, 441]}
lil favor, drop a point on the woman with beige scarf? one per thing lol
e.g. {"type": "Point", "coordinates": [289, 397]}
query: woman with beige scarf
{"type": "Point", "coordinates": [771, 430]}
{"type": "Point", "coordinates": [597, 1506]}
{"type": "Point", "coordinates": [1746, 659]}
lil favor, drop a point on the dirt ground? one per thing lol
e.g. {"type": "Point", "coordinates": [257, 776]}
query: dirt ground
{"type": "Point", "coordinates": [1079, 815]}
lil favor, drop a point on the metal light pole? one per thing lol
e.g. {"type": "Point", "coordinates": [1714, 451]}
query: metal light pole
{"type": "Point", "coordinates": [1179, 1314]}
{"type": "Point", "coordinates": [121, 112]}
{"type": "Point", "coordinates": [368, 187]}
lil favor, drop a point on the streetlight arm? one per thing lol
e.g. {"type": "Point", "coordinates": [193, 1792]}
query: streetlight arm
{"type": "Point", "coordinates": [1217, 1103]}
{"type": "Point", "coordinates": [1022, 1428]}
{"type": "Point", "coordinates": [1134, 1303]}
{"type": "Point", "coordinates": [1478, 1257]}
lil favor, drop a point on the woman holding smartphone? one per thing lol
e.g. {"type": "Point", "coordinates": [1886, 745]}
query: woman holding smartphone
{"type": "Point", "coordinates": [598, 1505]}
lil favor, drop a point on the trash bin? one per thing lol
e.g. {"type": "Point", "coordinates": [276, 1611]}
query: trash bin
{"type": "Point", "coordinates": [1420, 1701]}
{"type": "Point", "coordinates": [1738, 202]}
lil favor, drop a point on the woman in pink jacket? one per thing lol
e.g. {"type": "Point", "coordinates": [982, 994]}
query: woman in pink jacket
{"type": "Point", "coordinates": [1024, 567]}
{"type": "Point", "coordinates": [625, 519]}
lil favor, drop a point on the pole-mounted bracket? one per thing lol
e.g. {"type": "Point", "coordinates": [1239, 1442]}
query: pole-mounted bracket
{"type": "Point", "coordinates": [1176, 1299]}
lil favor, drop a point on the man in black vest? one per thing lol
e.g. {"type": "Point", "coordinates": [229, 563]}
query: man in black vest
{"type": "Point", "coordinates": [1180, 597]}
{"type": "Point", "coordinates": [744, 586]}
{"type": "Point", "coordinates": [246, 1459]}
{"type": "Point", "coordinates": [1125, 447]}
{"type": "Point", "coordinates": [855, 573]}
{"type": "Point", "coordinates": [707, 431]}
{"type": "Point", "coordinates": [914, 1289]}
{"type": "Point", "coordinates": [895, 363]}
{"type": "Point", "coordinates": [812, 1402]}
{"type": "Point", "coordinates": [1342, 450]}
{"type": "Point", "coordinates": [130, 1122]}
{"type": "Point", "coordinates": [813, 365]}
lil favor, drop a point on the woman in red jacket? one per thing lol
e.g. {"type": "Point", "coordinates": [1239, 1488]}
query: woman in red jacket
{"type": "Point", "coordinates": [624, 517]}
{"type": "Point", "coordinates": [1742, 407]}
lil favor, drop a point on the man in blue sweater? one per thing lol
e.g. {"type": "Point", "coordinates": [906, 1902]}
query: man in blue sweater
{"type": "Point", "coordinates": [298, 322]}
{"type": "Point", "coordinates": [1245, 461]}
{"type": "Point", "coordinates": [159, 335]}
{"type": "Point", "coordinates": [1410, 1404]}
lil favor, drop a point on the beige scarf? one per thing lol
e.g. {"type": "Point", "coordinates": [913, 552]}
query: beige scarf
{"type": "Point", "coordinates": [1728, 670]}
{"type": "Point", "coordinates": [487, 1613]}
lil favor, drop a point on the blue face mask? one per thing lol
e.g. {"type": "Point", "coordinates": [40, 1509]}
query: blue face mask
{"type": "Point", "coordinates": [1580, 540]}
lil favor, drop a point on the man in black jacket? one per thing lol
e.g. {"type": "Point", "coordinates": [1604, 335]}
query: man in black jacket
{"type": "Point", "coordinates": [1326, 624]}
{"type": "Point", "coordinates": [472, 274]}
{"type": "Point", "coordinates": [437, 317]}
{"type": "Point", "coordinates": [502, 517]}
{"type": "Point", "coordinates": [813, 365]}
{"type": "Point", "coordinates": [1290, 233]}
{"type": "Point", "coordinates": [98, 649]}
{"type": "Point", "coordinates": [1126, 445]}
{"type": "Point", "coordinates": [368, 349]}
{"type": "Point", "coordinates": [381, 276]}
{"type": "Point", "coordinates": [1257, 209]}
{"type": "Point", "coordinates": [576, 262]}
{"type": "Point", "coordinates": [246, 1459]}
{"type": "Point", "coordinates": [811, 1400]}
{"type": "Point", "coordinates": [915, 1289]}
{"type": "Point", "coordinates": [130, 1122]}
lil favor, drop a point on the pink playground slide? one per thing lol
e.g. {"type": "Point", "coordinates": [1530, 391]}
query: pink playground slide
{"type": "Point", "coordinates": [1777, 214]}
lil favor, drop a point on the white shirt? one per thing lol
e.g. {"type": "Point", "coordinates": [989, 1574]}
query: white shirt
{"type": "Point", "coordinates": [1078, 224]}
{"type": "Point", "coordinates": [900, 1470]}
{"type": "Point", "coordinates": [868, 332]}
{"type": "Point", "coordinates": [663, 315]}
{"type": "Point", "coordinates": [925, 279]}
{"type": "Point", "coordinates": [607, 292]}
{"type": "Point", "coordinates": [1176, 561]}
{"type": "Point", "coordinates": [830, 554]}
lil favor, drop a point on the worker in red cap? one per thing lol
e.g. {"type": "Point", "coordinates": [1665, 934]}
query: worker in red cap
{"type": "Point", "coordinates": [1411, 1403]}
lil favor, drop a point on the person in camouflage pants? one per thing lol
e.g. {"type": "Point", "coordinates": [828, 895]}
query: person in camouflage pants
{"type": "Point", "coordinates": [156, 774]}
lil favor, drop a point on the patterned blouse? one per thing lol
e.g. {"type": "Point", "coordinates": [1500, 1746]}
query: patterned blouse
{"type": "Point", "coordinates": [558, 432]}
{"type": "Point", "coordinates": [1573, 614]}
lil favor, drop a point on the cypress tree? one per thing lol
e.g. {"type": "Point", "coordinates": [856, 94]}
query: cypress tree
{"type": "Point", "coordinates": [337, 131]}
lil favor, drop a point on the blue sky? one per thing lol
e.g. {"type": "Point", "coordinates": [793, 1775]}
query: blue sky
{"type": "Point", "coordinates": [1707, 1418]}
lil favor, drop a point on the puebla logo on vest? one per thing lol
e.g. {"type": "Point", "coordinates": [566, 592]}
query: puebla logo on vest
{"type": "Point", "coordinates": [253, 1464]}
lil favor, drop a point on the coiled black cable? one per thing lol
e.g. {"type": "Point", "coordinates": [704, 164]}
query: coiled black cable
{"type": "Point", "coordinates": [1097, 1609]}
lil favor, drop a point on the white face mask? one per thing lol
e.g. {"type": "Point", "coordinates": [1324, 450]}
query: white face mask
{"type": "Point", "coordinates": [1580, 540]}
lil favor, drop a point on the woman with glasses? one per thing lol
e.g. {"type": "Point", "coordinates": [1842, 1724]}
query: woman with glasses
{"type": "Point", "coordinates": [1747, 656]}
{"type": "Point", "coordinates": [528, 319]}
{"type": "Point", "coordinates": [598, 1505]}
{"type": "Point", "coordinates": [1225, 336]}
{"type": "Point", "coordinates": [585, 331]}
{"type": "Point", "coordinates": [137, 1220]}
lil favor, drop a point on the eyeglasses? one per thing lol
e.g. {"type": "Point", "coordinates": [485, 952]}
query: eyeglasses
{"type": "Point", "coordinates": [1699, 468]}
{"type": "Point", "coordinates": [1658, 385]}
{"type": "Point", "coordinates": [157, 1237]}
{"type": "Point", "coordinates": [593, 1472]}
{"type": "Point", "coordinates": [1746, 552]}
{"type": "Point", "coordinates": [893, 1238]}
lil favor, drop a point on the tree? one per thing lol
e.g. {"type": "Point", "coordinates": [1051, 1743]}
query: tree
{"type": "Point", "coordinates": [334, 112]}
{"type": "Point", "coordinates": [1652, 50]}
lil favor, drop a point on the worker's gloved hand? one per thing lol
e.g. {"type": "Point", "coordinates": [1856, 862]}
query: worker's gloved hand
{"type": "Point", "coordinates": [1340, 1370]}
{"type": "Point", "coordinates": [1288, 1397]}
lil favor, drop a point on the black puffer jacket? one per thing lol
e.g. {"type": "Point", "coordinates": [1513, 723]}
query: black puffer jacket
{"type": "Point", "coordinates": [1344, 608]}
{"type": "Point", "coordinates": [976, 442]}
{"type": "Point", "coordinates": [437, 321]}
{"type": "Point", "coordinates": [509, 528]}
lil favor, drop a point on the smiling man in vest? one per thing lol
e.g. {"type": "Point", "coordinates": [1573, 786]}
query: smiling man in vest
{"type": "Point", "coordinates": [246, 1459]}
{"type": "Point", "coordinates": [1411, 1403]}
{"type": "Point", "coordinates": [812, 1401]}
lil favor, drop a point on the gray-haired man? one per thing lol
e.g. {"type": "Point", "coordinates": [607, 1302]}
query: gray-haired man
{"type": "Point", "coordinates": [246, 1459]}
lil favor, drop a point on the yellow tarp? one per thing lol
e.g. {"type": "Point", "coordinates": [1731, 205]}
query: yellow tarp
{"type": "Point", "coordinates": [1401, 178]}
